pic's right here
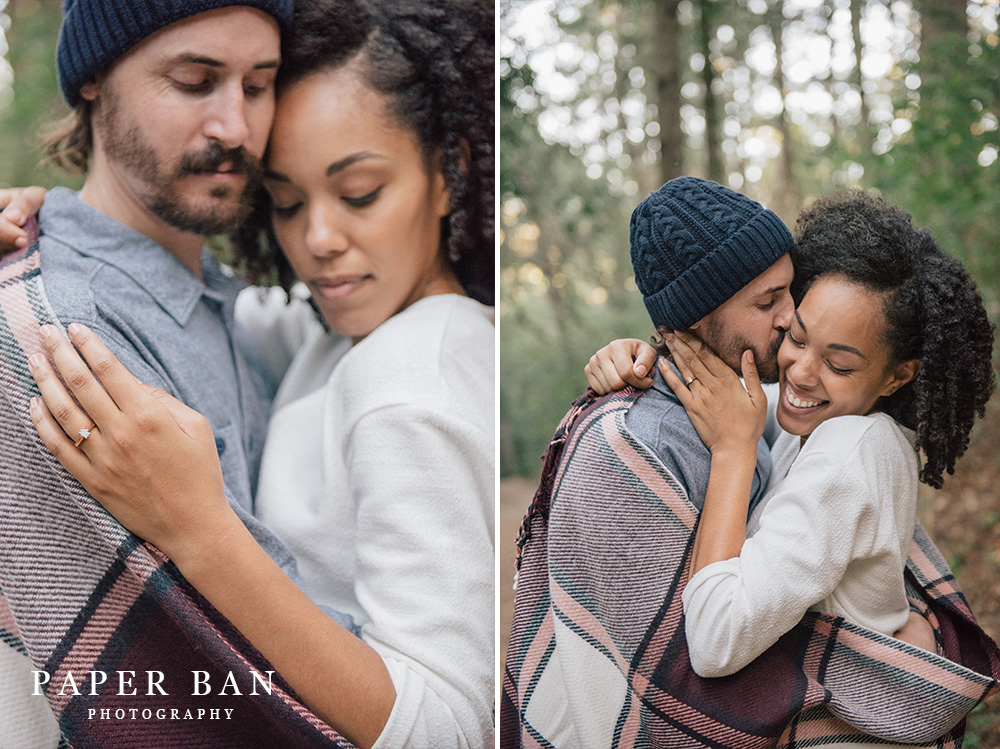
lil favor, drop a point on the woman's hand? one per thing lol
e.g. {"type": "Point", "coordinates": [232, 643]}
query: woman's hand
{"type": "Point", "coordinates": [727, 415]}
{"type": "Point", "coordinates": [149, 460]}
{"type": "Point", "coordinates": [918, 632]}
{"type": "Point", "coordinates": [17, 203]}
{"type": "Point", "coordinates": [623, 362]}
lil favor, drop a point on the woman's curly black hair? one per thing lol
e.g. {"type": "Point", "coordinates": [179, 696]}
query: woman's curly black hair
{"type": "Point", "coordinates": [932, 313]}
{"type": "Point", "coordinates": [434, 59]}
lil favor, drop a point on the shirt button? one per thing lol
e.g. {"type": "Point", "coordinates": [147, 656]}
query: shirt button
{"type": "Point", "coordinates": [220, 445]}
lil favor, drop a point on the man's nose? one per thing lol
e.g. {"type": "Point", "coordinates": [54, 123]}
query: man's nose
{"type": "Point", "coordinates": [784, 311]}
{"type": "Point", "coordinates": [227, 118]}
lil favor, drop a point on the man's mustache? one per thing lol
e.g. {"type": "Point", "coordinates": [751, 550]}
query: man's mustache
{"type": "Point", "coordinates": [240, 161]}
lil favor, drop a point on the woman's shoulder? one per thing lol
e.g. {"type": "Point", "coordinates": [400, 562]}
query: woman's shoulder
{"type": "Point", "coordinates": [437, 353]}
{"type": "Point", "coordinates": [875, 438]}
{"type": "Point", "coordinates": [852, 429]}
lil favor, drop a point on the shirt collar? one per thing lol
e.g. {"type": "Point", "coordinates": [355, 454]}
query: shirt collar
{"type": "Point", "coordinates": [67, 219]}
{"type": "Point", "coordinates": [660, 385]}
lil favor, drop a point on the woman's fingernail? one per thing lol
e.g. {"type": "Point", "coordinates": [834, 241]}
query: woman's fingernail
{"type": "Point", "coordinates": [33, 404]}
{"type": "Point", "coordinates": [640, 369]}
{"type": "Point", "coordinates": [35, 361]}
{"type": "Point", "coordinates": [21, 242]}
{"type": "Point", "coordinates": [73, 328]}
{"type": "Point", "coordinates": [45, 332]}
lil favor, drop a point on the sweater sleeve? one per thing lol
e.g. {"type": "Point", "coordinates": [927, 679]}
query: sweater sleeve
{"type": "Point", "coordinates": [821, 517]}
{"type": "Point", "coordinates": [275, 327]}
{"type": "Point", "coordinates": [422, 483]}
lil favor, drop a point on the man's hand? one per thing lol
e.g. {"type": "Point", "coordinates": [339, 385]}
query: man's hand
{"type": "Point", "coordinates": [918, 632]}
{"type": "Point", "coordinates": [626, 361]}
{"type": "Point", "coordinates": [17, 203]}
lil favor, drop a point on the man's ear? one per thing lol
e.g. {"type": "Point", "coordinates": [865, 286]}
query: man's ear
{"type": "Point", "coordinates": [89, 90]}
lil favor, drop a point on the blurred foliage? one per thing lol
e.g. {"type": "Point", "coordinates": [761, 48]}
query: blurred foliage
{"type": "Point", "coordinates": [29, 95]}
{"type": "Point", "coordinates": [772, 101]}
{"type": "Point", "coordinates": [781, 99]}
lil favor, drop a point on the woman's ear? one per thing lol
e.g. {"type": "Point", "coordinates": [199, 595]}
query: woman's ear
{"type": "Point", "coordinates": [439, 187]}
{"type": "Point", "coordinates": [901, 375]}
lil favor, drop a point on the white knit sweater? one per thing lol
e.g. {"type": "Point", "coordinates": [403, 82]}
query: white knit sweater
{"type": "Point", "coordinates": [378, 473]}
{"type": "Point", "coordinates": [832, 535]}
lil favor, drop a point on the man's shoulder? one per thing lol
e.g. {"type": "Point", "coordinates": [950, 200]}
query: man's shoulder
{"type": "Point", "coordinates": [83, 288]}
{"type": "Point", "coordinates": [661, 423]}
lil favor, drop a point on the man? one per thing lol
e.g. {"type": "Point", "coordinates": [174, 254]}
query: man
{"type": "Point", "coordinates": [173, 103]}
{"type": "Point", "coordinates": [597, 655]}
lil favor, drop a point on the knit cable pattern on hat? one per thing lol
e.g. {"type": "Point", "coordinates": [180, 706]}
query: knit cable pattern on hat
{"type": "Point", "coordinates": [695, 243]}
{"type": "Point", "coordinates": [95, 33]}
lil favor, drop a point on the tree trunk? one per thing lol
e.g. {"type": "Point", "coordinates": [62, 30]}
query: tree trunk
{"type": "Point", "coordinates": [789, 196]}
{"type": "Point", "coordinates": [864, 127]}
{"type": "Point", "coordinates": [668, 88]}
{"type": "Point", "coordinates": [713, 124]}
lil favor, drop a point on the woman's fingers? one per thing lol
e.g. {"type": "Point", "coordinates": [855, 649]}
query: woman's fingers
{"type": "Point", "coordinates": [687, 360]}
{"type": "Point", "coordinates": [705, 354]}
{"type": "Point", "coordinates": [73, 420]}
{"type": "Point", "coordinates": [751, 379]}
{"type": "Point", "coordinates": [54, 438]}
{"type": "Point", "coordinates": [106, 387]}
{"type": "Point", "coordinates": [78, 378]}
{"type": "Point", "coordinates": [17, 203]}
{"type": "Point", "coordinates": [671, 378]}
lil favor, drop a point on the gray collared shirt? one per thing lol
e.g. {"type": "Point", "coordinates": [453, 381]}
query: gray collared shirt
{"type": "Point", "coordinates": [659, 421]}
{"type": "Point", "coordinates": [169, 328]}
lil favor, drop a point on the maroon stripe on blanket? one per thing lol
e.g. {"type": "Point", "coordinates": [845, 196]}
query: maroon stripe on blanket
{"type": "Point", "coordinates": [588, 579]}
{"type": "Point", "coordinates": [88, 596]}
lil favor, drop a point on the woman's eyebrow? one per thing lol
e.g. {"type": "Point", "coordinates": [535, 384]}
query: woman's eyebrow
{"type": "Point", "coordinates": [342, 164]}
{"type": "Point", "coordinates": [835, 346]}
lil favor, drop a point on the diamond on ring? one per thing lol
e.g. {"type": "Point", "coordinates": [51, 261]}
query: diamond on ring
{"type": "Point", "coordinates": [84, 433]}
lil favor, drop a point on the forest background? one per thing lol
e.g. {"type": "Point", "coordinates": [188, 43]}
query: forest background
{"type": "Point", "coordinates": [601, 102]}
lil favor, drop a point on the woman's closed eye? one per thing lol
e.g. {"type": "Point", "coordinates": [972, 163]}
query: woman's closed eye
{"type": "Point", "coordinates": [285, 211]}
{"type": "Point", "coordinates": [838, 370]}
{"type": "Point", "coordinates": [362, 200]}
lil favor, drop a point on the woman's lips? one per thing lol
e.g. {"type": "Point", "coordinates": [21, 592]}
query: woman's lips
{"type": "Point", "coordinates": [799, 402]}
{"type": "Point", "coordinates": [338, 287]}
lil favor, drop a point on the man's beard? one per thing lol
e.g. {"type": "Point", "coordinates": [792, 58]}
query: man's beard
{"type": "Point", "coordinates": [730, 349]}
{"type": "Point", "coordinates": [128, 148]}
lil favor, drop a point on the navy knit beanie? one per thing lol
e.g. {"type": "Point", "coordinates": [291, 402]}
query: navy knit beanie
{"type": "Point", "coordinates": [95, 33]}
{"type": "Point", "coordinates": [695, 243]}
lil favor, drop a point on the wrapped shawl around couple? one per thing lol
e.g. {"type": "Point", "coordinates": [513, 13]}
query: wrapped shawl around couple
{"type": "Point", "coordinates": [81, 594]}
{"type": "Point", "coordinates": [598, 613]}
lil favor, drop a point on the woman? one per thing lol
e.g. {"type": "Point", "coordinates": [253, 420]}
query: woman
{"type": "Point", "coordinates": [889, 353]}
{"type": "Point", "coordinates": [379, 466]}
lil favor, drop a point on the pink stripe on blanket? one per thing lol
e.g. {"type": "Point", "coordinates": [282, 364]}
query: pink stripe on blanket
{"type": "Point", "coordinates": [16, 308]}
{"type": "Point", "coordinates": [957, 679]}
{"type": "Point", "coordinates": [147, 559]}
{"type": "Point", "coordinates": [536, 651]}
{"type": "Point", "coordinates": [581, 617]}
{"type": "Point", "coordinates": [18, 264]}
{"type": "Point", "coordinates": [639, 465]}
{"type": "Point", "coordinates": [929, 572]}
{"type": "Point", "coordinates": [719, 733]}
{"type": "Point", "coordinates": [7, 617]}
{"type": "Point", "coordinates": [91, 642]}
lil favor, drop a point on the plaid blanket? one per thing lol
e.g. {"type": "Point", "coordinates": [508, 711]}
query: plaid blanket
{"type": "Point", "coordinates": [598, 629]}
{"type": "Point", "coordinates": [81, 594]}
